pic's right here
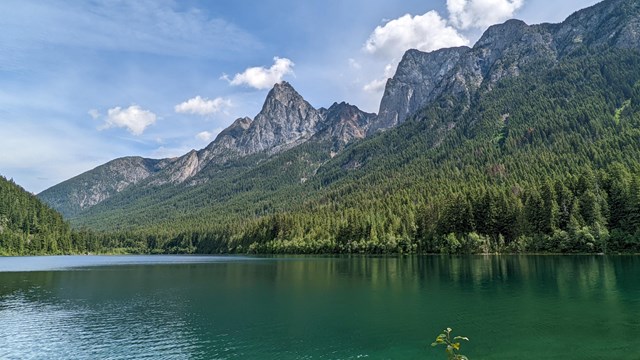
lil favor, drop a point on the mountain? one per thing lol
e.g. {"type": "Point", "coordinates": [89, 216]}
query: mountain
{"type": "Point", "coordinates": [502, 51]}
{"type": "Point", "coordinates": [90, 188]}
{"type": "Point", "coordinates": [344, 123]}
{"type": "Point", "coordinates": [285, 121]}
{"type": "Point", "coordinates": [527, 141]}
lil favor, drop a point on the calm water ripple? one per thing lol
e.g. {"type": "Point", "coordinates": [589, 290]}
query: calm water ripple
{"type": "Point", "coordinates": [173, 307]}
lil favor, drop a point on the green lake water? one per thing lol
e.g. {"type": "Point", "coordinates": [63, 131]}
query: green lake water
{"type": "Point", "coordinates": [197, 307]}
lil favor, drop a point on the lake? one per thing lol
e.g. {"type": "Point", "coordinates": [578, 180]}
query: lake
{"type": "Point", "coordinates": [208, 307]}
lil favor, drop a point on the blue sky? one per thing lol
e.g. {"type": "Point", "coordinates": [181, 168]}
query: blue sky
{"type": "Point", "coordinates": [84, 82]}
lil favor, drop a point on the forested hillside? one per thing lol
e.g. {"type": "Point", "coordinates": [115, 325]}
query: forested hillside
{"type": "Point", "coordinates": [527, 142]}
{"type": "Point", "coordinates": [27, 226]}
{"type": "Point", "coordinates": [547, 161]}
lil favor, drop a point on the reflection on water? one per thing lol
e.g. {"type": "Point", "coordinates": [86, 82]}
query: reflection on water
{"type": "Point", "coordinates": [324, 308]}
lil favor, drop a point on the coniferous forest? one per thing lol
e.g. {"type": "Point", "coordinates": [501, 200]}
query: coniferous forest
{"type": "Point", "coordinates": [544, 162]}
{"type": "Point", "coordinates": [27, 226]}
{"type": "Point", "coordinates": [547, 161]}
{"type": "Point", "coordinates": [539, 164]}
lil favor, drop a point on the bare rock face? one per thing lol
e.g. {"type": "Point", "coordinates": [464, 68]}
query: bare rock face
{"type": "Point", "coordinates": [179, 170]}
{"type": "Point", "coordinates": [422, 77]}
{"type": "Point", "coordinates": [416, 82]}
{"type": "Point", "coordinates": [225, 146]}
{"type": "Point", "coordinates": [286, 120]}
{"type": "Point", "coordinates": [93, 187]}
{"type": "Point", "coordinates": [344, 123]}
{"type": "Point", "coordinates": [611, 23]}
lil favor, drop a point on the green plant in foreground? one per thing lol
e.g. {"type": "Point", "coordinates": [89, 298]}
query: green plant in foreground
{"type": "Point", "coordinates": [453, 347]}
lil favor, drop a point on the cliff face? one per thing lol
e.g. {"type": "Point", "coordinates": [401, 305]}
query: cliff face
{"type": "Point", "coordinates": [343, 123]}
{"type": "Point", "coordinates": [286, 119]}
{"type": "Point", "coordinates": [417, 81]}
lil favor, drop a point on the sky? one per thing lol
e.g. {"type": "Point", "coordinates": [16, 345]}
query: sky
{"type": "Point", "coordinates": [85, 82]}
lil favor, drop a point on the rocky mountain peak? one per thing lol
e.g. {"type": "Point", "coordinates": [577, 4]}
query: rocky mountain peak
{"type": "Point", "coordinates": [235, 130]}
{"type": "Point", "coordinates": [342, 111]}
{"type": "Point", "coordinates": [500, 36]}
{"type": "Point", "coordinates": [282, 93]}
{"type": "Point", "coordinates": [614, 23]}
{"type": "Point", "coordinates": [504, 50]}
{"type": "Point", "coordinates": [286, 119]}
{"type": "Point", "coordinates": [344, 123]}
{"type": "Point", "coordinates": [416, 83]}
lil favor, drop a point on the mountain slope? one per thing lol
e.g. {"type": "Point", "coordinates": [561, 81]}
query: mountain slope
{"type": "Point", "coordinates": [90, 188]}
{"type": "Point", "coordinates": [502, 51]}
{"type": "Point", "coordinates": [527, 141]}
{"type": "Point", "coordinates": [27, 226]}
{"type": "Point", "coordinates": [571, 129]}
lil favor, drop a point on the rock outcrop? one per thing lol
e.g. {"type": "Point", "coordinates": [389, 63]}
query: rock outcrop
{"type": "Point", "coordinates": [344, 123]}
{"type": "Point", "coordinates": [93, 187]}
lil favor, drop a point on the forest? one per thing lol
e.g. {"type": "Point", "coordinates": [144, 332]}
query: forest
{"type": "Point", "coordinates": [29, 227]}
{"type": "Point", "coordinates": [545, 162]}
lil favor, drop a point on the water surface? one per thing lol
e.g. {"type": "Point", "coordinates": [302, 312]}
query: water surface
{"type": "Point", "coordinates": [199, 307]}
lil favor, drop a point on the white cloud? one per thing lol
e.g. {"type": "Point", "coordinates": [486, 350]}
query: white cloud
{"type": "Point", "coordinates": [354, 64]}
{"type": "Point", "coordinates": [134, 118]}
{"type": "Point", "coordinates": [375, 85]}
{"type": "Point", "coordinates": [425, 32]}
{"type": "Point", "coordinates": [95, 114]}
{"type": "Point", "coordinates": [204, 136]}
{"type": "Point", "coordinates": [261, 77]}
{"type": "Point", "coordinates": [208, 135]}
{"type": "Point", "coordinates": [202, 106]}
{"type": "Point", "coordinates": [465, 14]}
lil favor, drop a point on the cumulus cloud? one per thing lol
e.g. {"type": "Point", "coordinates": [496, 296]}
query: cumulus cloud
{"type": "Point", "coordinates": [134, 119]}
{"type": "Point", "coordinates": [202, 106]}
{"type": "Point", "coordinates": [208, 135]}
{"type": "Point", "coordinates": [95, 114]}
{"type": "Point", "coordinates": [378, 85]}
{"type": "Point", "coordinates": [261, 77]}
{"type": "Point", "coordinates": [465, 14]}
{"type": "Point", "coordinates": [375, 85]}
{"type": "Point", "coordinates": [204, 136]}
{"type": "Point", "coordinates": [425, 32]}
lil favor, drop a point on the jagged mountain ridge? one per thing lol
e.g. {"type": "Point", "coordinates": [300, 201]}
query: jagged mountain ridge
{"type": "Point", "coordinates": [502, 51]}
{"type": "Point", "coordinates": [458, 74]}
{"type": "Point", "coordinates": [93, 187]}
{"type": "Point", "coordinates": [285, 121]}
